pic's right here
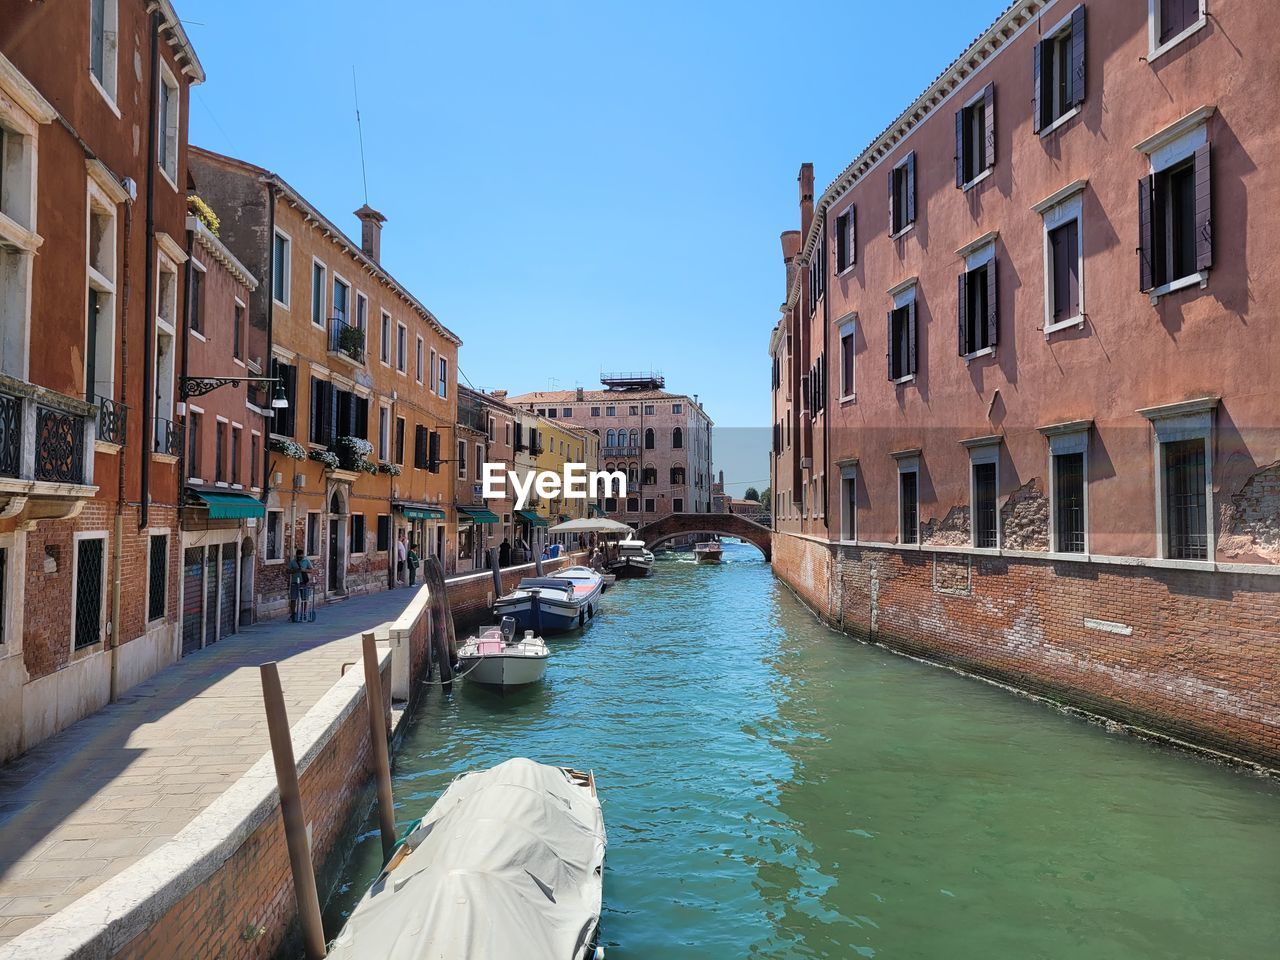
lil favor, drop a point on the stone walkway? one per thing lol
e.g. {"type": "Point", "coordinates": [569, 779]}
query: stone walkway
{"type": "Point", "coordinates": [85, 804]}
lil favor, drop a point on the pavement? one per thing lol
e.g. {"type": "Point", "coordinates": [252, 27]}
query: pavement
{"type": "Point", "coordinates": [83, 805]}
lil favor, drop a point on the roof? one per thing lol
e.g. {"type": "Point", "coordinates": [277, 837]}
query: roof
{"type": "Point", "coordinates": [596, 396]}
{"type": "Point", "coordinates": [998, 34]}
{"type": "Point", "coordinates": [296, 199]}
{"type": "Point", "coordinates": [209, 240]}
{"type": "Point", "coordinates": [186, 54]}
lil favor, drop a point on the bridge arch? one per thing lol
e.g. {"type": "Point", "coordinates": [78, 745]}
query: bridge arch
{"type": "Point", "coordinates": [725, 524]}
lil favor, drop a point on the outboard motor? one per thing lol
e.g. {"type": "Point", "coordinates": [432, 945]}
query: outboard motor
{"type": "Point", "coordinates": [508, 628]}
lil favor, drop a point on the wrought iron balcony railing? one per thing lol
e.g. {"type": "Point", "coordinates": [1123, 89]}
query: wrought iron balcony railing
{"type": "Point", "coordinates": [167, 437]}
{"type": "Point", "coordinates": [626, 451]}
{"type": "Point", "coordinates": [346, 339]}
{"type": "Point", "coordinates": [113, 418]}
{"type": "Point", "coordinates": [59, 446]}
{"type": "Point", "coordinates": [44, 436]}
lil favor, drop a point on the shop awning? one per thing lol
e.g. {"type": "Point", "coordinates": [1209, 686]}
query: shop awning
{"type": "Point", "coordinates": [477, 515]}
{"type": "Point", "coordinates": [563, 517]}
{"type": "Point", "coordinates": [414, 512]}
{"type": "Point", "coordinates": [533, 519]}
{"type": "Point", "coordinates": [595, 510]}
{"type": "Point", "coordinates": [229, 506]}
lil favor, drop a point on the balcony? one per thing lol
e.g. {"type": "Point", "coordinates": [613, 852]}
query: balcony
{"type": "Point", "coordinates": [113, 419]}
{"type": "Point", "coordinates": [167, 438]}
{"type": "Point", "coordinates": [620, 451]}
{"type": "Point", "coordinates": [46, 452]}
{"type": "Point", "coordinates": [346, 342]}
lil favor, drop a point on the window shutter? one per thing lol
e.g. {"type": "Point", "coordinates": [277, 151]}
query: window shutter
{"type": "Point", "coordinates": [433, 452]}
{"type": "Point", "coordinates": [333, 414]}
{"type": "Point", "coordinates": [1146, 240]}
{"type": "Point", "coordinates": [889, 341]}
{"type": "Point", "coordinates": [892, 173]}
{"type": "Point", "coordinates": [1077, 55]}
{"type": "Point", "coordinates": [1204, 210]}
{"type": "Point", "coordinates": [993, 305]}
{"type": "Point", "coordinates": [963, 312]}
{"type": "Point", "coordinates": [852, 242]}
{"type": "Point", "coordinates": [960, 147]}
{"type": "Point", "coordinates": [989, 108]}
{"type": "Point", "coordinates": [1037, 89]}
{"type": "Point", "coordinates": [911, 187]}
{"type": "Point", "coordinates": [911, 337]}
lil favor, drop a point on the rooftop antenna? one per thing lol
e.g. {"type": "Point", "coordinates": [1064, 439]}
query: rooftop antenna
{"type": "Point", "coordinates": [364, 174]}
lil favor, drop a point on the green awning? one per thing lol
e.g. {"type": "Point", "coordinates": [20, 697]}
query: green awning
{"type": "Point", "coordinates": [420, 513]}
{"type": "Point", "coordinates": [230, 506]}
{"type": "Point", "coordinates": [595, 510]}
{"type": "Point", "coordinates": [564, 517]}
{"type": "Point", "coordinates": [533, 519]}
{"type": "Point", "coordinates": [477, 515]}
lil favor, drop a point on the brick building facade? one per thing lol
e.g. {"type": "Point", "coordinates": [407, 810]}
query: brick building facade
{"type": "Point", "coordinates": [982, 390]}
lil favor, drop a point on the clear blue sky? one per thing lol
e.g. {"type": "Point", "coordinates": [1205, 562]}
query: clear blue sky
{"type": "Point", "coordinates": [576, 186]}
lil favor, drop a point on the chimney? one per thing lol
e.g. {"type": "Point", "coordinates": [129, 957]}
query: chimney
{"type": "Point", "coordinates": [806, 196]}
{"type": "Point", "coordinates": [498, 394]}
{"type": "Point", "coordinates": [579, 394]}
{"type": "Point", "coordinates": [371, 222]}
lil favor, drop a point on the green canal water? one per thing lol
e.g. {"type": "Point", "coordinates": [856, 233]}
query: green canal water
{"type": "Point", "coordinates": [774, 789]}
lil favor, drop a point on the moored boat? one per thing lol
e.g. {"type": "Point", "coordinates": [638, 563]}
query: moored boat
{"type": "Point", "coordinates": [632, 560]}
{"type": "Point", "coordinates": [498, 657]}
{"type": "Point", "coordinates": [509, 862]}
{"type": "Point", "coordinates": [708, 551]}
{"type": "Point", "coordinates": [555, 603]}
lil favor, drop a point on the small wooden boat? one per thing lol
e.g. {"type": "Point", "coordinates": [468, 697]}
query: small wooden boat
{"type": "Point", "coordinates": [632, 560]}
{"type": "Point", "coordinates": [509, 862]}
{"type": "Point", "coordinates": [708, 551]}
{"type": "Point", "coordinates": [555, 603]}
{"type": "Point", "coordinates": [497, 657]}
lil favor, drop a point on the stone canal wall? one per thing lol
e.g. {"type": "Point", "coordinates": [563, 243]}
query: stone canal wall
{"type": "Point", "coordinates": [1187, 655]}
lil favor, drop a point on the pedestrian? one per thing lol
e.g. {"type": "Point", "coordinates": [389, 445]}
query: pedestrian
{"type": "Point", "coordinates": [504, 553]}
{"type": "Point", "coordinates": [401, 556]}
{"type": "Point", "coordinates": [413, 562]}
{"type": "Point", "coordinates": [299, 577]}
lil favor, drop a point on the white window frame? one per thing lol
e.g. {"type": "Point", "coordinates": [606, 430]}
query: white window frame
{"type": "Point", "coordinates": [244, 329]}
{"type": "Point", "coordinates": [908, 462]}
{"type": "Point", "coordinates": [287, 270]}
{"type": "Point", "coordinates": [255, 472]}
{"type": "Point", "coordinates": [166, 325]}
{"type": "Point", "coordinates": [462, 460]}
{"type": "Point", "coordinates": [351, 551]}
{"type": "Point", "coordinates": [217, 450]}
{"type": "Point", "coordinates": [384, 433]}
{"type": "Point", "coordinates": [981, 253]}
{"type": "Point", "coordinates": [306, 534]}
{"type": "Point", "coordinates": [196, 267]}
{"type": "Point", "coordinates": [104, 604]}
{"type": "Point", "coordinates": [1064, 439]}
{"type": "Point", "coordinates": [146, 600]}
{"type": "Point", "coordinates": [385, 345]}
{"type": "Point", "coordinates": [1055, 211]}
{"type": "Point", "coordinates": [442, 381]}
{"type": "Point", "coordinates": [170, 125]}
{"type": "Point", "coordinates": [266, 527]}
{"type": "Point", "coordinates": [402, 349]}
{"type": "Point", "coordinates": [419, 346]}
{"type": "Point", "coordinates": [1192, 420]}
{"type": "Point", "coordinates": [848, 327]}
{"type": "Point", "coordinates": [986, 171]}
{"type": "Point", "coordinates": [985, 450]}
{"type": "Point", "coordinates": [361, 318]}
{"type": "Point", "coordinates": [103, 200]}
{"type": "Point", "coordinates": [1155, 47]}
{"type": "Point", "coordinates": [1171, 146]}
{"type": "Point", "coordinates": [108, 85]}
{"type": "Point", "coordinates": [1056, 31]}
{"type": "Point", "coordinates": [340, 280]}
{"type": "Point", "coordinates": [904, 294]}
{"type": "Point", "coordinates": [848, 517]}
{"type": "Point", "coordinates": [322, 312]}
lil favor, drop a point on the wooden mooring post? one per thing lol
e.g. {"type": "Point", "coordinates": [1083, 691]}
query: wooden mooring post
{"type": "Point", "coordinates": [378, 743]}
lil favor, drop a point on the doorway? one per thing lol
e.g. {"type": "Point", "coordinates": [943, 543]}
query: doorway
{"type": "Point", "coordinates": [337, 566]}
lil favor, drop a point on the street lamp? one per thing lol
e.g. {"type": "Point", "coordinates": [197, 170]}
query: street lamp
{"type": "Point", "coordinates": [199, 386]}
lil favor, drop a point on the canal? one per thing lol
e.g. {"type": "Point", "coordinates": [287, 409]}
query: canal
{"type": "Point", "coordinates": [773, 789]}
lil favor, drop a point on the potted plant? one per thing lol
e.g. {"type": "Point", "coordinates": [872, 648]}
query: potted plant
{"type": "Point", "coordinates": [351, 342]}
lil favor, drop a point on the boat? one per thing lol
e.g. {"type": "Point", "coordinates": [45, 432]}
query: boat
{"type": "Point", "coordinates": [709, 551]}
{"type": "Point", "coordinates": [509, 862]}
{"type": "Point", "coordinates": [632, 560]}
{"type": "Point", "coordinates": [553, 603]}
{"type": "Point", "coordinates": [498, 657]}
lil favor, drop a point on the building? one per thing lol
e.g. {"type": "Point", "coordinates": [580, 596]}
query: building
{"type": "Point", "coordinates": [478, 524]}
{"type": "Point", "coordinates": [994, 409]}
{"type": "Point", "coordinates": [661, 440]}
{"type": "Point", "coordinates": [225, 429]}
{"type": "Point", "coordinates": [370, 376]}
{"type": "Point", "coordinates": [92, 295]}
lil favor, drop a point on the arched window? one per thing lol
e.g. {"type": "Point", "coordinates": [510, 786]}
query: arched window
{"type": "Point", "coordinates": [633, 473]}
{"type": "Point", "coordinates": [677, 475]}
{"type": "Point", "coordinates": [608, 439]}
{"type": "Point", "coordinates": [650, 474]}
{"type": "Point", "coordinates": [609, 467]}
{"type": "Point", "coordinates": [648, 438]}
{"type": "Point", "coordinates": [677, 439]}
{"type": "Point", "coordinates": [635, 437]}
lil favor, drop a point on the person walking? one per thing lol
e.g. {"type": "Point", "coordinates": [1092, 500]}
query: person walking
{"type": "Point", "coordinates": [401, 556]}
{"type": "Point", "coordinates": [504, 553]}
{"type": "Point", "coordinates": [412, 562]}
{"type": "Point", "coordinates": [299, 577]}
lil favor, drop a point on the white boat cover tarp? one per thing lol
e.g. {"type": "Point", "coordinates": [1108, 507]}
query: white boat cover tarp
{"type": "Point", "coordinates": [507, 864]}
{"type": "Point", "coordinates": [591, 525]}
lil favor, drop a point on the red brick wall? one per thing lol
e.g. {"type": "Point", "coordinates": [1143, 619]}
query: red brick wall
{"type": "Point", "coordinates": [1186, 654]}
{"type": "Point", "coordinates": [469, 598]}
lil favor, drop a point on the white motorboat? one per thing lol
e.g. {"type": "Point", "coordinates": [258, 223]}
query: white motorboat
{"type": "Point", "coordinates": [708, 551]}
{"type": "Point", "coordinates": [632, 560]}
{"type": "Point", "coordinates": [497, 657]}
{"type": "Point", "coordinates": [509, 862]}
{"type": "Point", "coordinates": [554, 603]}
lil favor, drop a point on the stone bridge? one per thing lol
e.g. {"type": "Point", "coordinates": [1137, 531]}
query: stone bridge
{"type": "Point", "coordinates": [725, 524]}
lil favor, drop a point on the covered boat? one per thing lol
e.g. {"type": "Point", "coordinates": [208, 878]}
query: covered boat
{"type": "Point", "coordinates": [632, 559]}
{"type": "Point", "coordinates": [509, 863]}
{"type": "Point", "coordinates": [499, 657]}
{"type": "Point", "coordinates": [707, 552]}
{"type": "Point", "coordinates": [554, 603]}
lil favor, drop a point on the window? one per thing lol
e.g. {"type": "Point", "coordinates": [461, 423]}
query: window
{"type": "Point", "coordinates": [385, 343]}
{"type": "Point", "coordinates": [1175, 215]}
{"type": "Point", "coordinates": [677, 476]}
{"type": "Point", "coordinates": [402, 347]}
{"type": "Point", "coordinates": [633, 505]}
{"type": "Point", "coordinates": [313, 533]}
{"type": "Point", "coordinates": [418, 359]}
{"type": "Point", "coordinates": [362, 314]}
{"type": "Point", "coordinates": [595, 411]}
{"type": "Point", "coordinates": [317, 292]}
{"type": "Point", "coordinates": [421, 443]}
{"type": "Point", "coordinates": [88, 591]}
{"type": "Point", "coordinates": [462, 459]}
{"type": "Point", "coordinates": [677, 439]}
{"type": "Point", "coordinates": [167, 142]}
{"type": "Point", "coordinates": [902, 195]}
{"type": "Point", "coordinates": [100, 347]}
{"type": "Point", "coordinates": [442, 385]}
{"type": "Point", "coordinates": [1058, 72]}
{"type": "Point", "coordinates": [902, 339]}
{"type": "Point", "coordinates": [1173, 20]}
{"type": "Point", "coordinates": [846, 239]}
{"type": "Point", "coordinates": [196, 300]}
{"type": "Point", "coordinates": [551, 414]}
{"type": "Point", "coordinates": [220, 452]}
{"type": "Point", "coordinates": [157, 576]}
{"type": "Point", "coordinates": [357, 533]}
{"type": "Point", "coordinates": [400, 441]}
{"type": "Point", "coordinates": [909, 501]}
{"type": "Point", "coordinates": [322, 420]}
{"type": "Point", "coordinates": [235, 455]}
{"type": "Point", "coordinates": [275, 535]}
{"type": "Point", "coordinates": [237, 331]}
{"type": "Point", "coordinates": [166, 318]}
{"type": "Point", "coordinates": [634, 410]}
{"type": "Point", "coordinates": [847, 350]}
{"type": "Point", "coordinates": [609, 411]}
{"type": "Point", "coordinates": [648, 410]}
{"type": "Point", "coordinates": [979, 313]}
{"type": "Point", "coordinates": [284, 421]}
{"type": "Point", "coordinates": [255, 439]}
{"type": "Point", "coordinates": [676, 408]}
{"type": "Point", "coordinates": [649, 475]}
{"type": "Point", "coordinates": [433, 452]}
{"type": "Point", "coordinates": [103, 45]}
{"type": "Point", "coordinates": [1186, 504]}
{"type": "Point", "coordinates": [650, 439]}
{"type": "Point", "coordinates": [677, 505]}
{"type": "Point", "coordinates": [848, 503]}
{"type": "Point", "coordinates": [650, 505]}
{"type": "Point", "coordinates": [567, 412]}
{"type": "Point", "coordinates": [281, 268]}
{"type": "Point", "coordinates": [976, 137]}
{"type": "Point", "coordinates": [983, 493]}
{"type": "Point", "coordinates": [384, 433]}
{"type": "Point", "coordinates": [341, 299]}
{"type": "Point", "coordinates": [384, 533]}
{"type": "Point", "coordinates": [1068, 502]}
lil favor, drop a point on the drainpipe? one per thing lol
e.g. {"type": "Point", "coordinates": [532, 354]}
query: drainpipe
{"type": "Point", "coordinates": [148, 340]}
{"type": "Point", "coordinates": [117, 529]}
